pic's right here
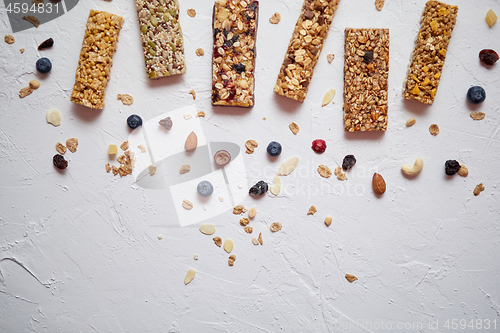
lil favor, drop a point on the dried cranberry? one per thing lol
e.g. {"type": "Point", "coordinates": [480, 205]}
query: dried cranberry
{"type": "Point", "coordinates": [239, 67]}
{"type": "Point", "coordinates": [319, 146]}
{"type": "Point", "coordinates": [59, 161]}
{"type": "Point", "coordinates": [368, 57]}
{"type": "Point", "coordinates": [258, 189]}
{"type": "Point", "coordinates": [349, 161]}
{"type": "Point", "coordinates": [46, 44]}
{"type": "Point", "coordinates": [488, 56]}
{"type": "Point", "coordinates": [451, 167]}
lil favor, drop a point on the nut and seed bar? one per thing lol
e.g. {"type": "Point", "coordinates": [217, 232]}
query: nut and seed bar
{"type": "Point", "coordinates": [96, 58]}
{"type": "Point", "coordinates": [422, 79]}
{"type": "Point", "coordinates": [161, 35]}
{"type": "Point", "coordinates": [366, 74]}
{"type": "Point", "coordinates": [304, 48]}
{"type": "Point", "coordinates": [233, 61]}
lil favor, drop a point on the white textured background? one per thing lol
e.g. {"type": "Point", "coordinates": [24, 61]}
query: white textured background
{"type": "Point", "coordinates": [79, 249]}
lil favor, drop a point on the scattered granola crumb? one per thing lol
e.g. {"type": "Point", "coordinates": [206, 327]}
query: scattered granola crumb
{"type": "Point", "coordinates": [463, 171]}
{"type": "Point", "coordinates": [252, 212]}
{"type": "Point", "coordinates": [324, 171]}
{"type": "Point", "coordinates": [330, 57]}
{"type": "Point", "coordinates": [477, 115]}
{"type": "Point", "coordinates": [479, 188]}
{"type": "Point", "coordinates": [152, 170]}
{"type": "Point", "coordinates": [26, 91]}
{"type": "Point", "coordinates": [9, 39]}
{"type": "Point", "coordinates": [187, 204]}
{"type": "Point", "coordinates": [160, 237]}
{"type": "Point", "coordinates": [248, 229]}
{"type": "Point", "coordinates": [434, 129]}
{"type": "Point", "coordinates": [221, 199]}
{"type": "Point", "coordinates": [191, 12]}
{"type": "Point", "coordinates": [200, 114]}
{"type": "Point", "coordinates": [410, 122]}
{"type": "Point", "coordinates": [126, 99]}
{"type": "Point", "coordinates": [187, 116]}
{"type": "Point", "coordinates": [21, 50]}
{"type": "Point", "coordinates": [217, 241]}
{"type": "Point", "coordinates": [260, 239]}
{"type": "Point", "coordinates": [195, 256]}
{"type": "Point", "coordinates": [379, 4]}
{"type": "Point", "coordinates": [72, 144]}
{"type": "Point", "coordinates": [294, 128]}
{"type": "Point", "coordinates": [124, 146]}
{"type": "Point", "coordinates": [34, 84]}
{"type": "Point", "coordinates": [185, 169]}
{"type": "Point", "coordinates": [239, 209]}
{"type": "Point", "coordinates": [251, 145]}
{"type": "Point", "coordinates": [351, 278]}
{"type": "Point", "coordinates": [275, 226]}
{"type": "Point", "coordinates": [61, 149]}
{"type": "Point", "coordinates": [32, 19]}
{"type": "Point", "coordinates": [142, 148]}
{"type": "Point", "coordinates": [193, 93]}
{"type": "Point", "coordinates": [276, 18]}
{"type": "Point", "coordinates": [114, 170]}
{"type": "Point", "coordinates": [312, 210]}
{"type": "Point", "coordinates": [108, 167]}
{"type": "Point", "coordinates": [264, 118]}
{"type": "Point", "coordinates": [231, 260]}
{"type": "Point", "coordinates": [340, 175]}
{"type": "Point", "coordinates": [328, 221]}
{"type": "Point", "coordinates": [200, 52]}
{"type": "Point", "coordinates": [255, 241]}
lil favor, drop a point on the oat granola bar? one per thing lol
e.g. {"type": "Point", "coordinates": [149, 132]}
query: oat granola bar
{"type": "Point", "coordinates": [233, 61]}
{"type": "Point", "coordinates": [96, 58]}
{"type": "Point", "coordinates": [305, 48]}
{"type": "Point", "coordinates": [366, 73]}
{"type": "Point", "coordinates": [161, 35]}
{"type": "Point", "coordinates": [427, 61]}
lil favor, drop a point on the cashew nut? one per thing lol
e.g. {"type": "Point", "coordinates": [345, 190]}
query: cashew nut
{"type": "Point", "coordinates": [415, 169]}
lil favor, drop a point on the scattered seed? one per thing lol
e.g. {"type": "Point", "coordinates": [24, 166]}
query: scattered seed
{"type": "Point", "coordinates": [410, 122]}
{"type": "Point", "coordinates": [231, 260]}
{"type": "Point", "coordinates": [228, 245]}
{"type": "Point", "coordinates": [479, 188]}
{"type": "Point", "coordinates": [108, 166]}
{"type": "Point", "coordinates": [21, 50]}
{"type": "Point", "coordinates": [312, 210]}
{"type": "Point", "coordinates": [185, 169]}
{"type": "Point", "coordinates": [255, 241]}
{"type": "Point", "coordinates": [187, 204]}
{"type": "Point", "coordinates": [195, 256]}
{"type": "Point", "coordinates": [32, 19]}
{"type": "Point", "coordinates": [294, 128]}
{"type": "Point", "coordinates": [160, 237]}
{"type": "Point", "coordinates": [434, 129]}
{"type": "Point", "coordinates": [61, 149]}
{"type": "Point", "coordinates": [276, 187]}
{"type": "Point", "coordinates": [328, 220]}
{"type": "Point", "coordinates": [34, 84]}
{"type": "Point", "coordinates": [477, 115]}
{"type": "Point", "coordinates": [207, 228]}
{"type": "Point", "coordinates": [189, 276]}
{"type": "Point", "coordinates": [252, 212]}
{"type": "Point", "coordinates": [125, 145]}
{"type": "Point", "coordinates": [166, 123]}
{"type": "Point", "coordinates": [152, 170]}
{"type": "Point", "coordinates": [187, 116]}
{"type": "Point", "coordinates": [275, 226]}
{"type": "Point", "coordinates": [200, 114]}
{"type": "Point", "coordinates": [72, 144]}
{"type": "Point", "coordinates": [217, 241]}
{"type": "Point", "coordinates": [350, 278]}
{"type": "Point", "coordinates": [324, 171]}
{"type": "Point", "coordinates": [276, 18]}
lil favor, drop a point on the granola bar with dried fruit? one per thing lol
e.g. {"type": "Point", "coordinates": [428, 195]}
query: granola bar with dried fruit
{"type": "Point", "coordinates": [366, 74]}
{"type": "Point", "coordinates": [304, 48]}
{"type": "Point", "coordinates": [161, 34]}
{"type": "Point", "coordinates": [96, 59]}
{"type": "Point", "coordinates": [429, 53]}
{"type": "Point", "coordinates": [233, 61]}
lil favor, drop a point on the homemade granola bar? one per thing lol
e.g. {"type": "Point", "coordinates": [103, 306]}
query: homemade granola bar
{"type": "Point", "coordinates": [366, 73]}
{"type": "Point", "coordinates": [422, 79]}
{"type": "Point", "coordinates": [161, 35]}
{"type": "Point", "coordinates": [233, 61]}
{"type": "Point", "coordinates": [305, 47]}
{"type": "Point", "coordinates": [96, 58]}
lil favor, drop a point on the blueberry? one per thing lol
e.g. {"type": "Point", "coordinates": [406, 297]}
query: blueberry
{"type": "Point", "coordinates": [239, 67]}
{"type": "Point", "coordinates": [258, 189]}
{"type": "Point", "coordinates": [205, 188]}
{"type": "Point", "coordinates": [43, 65]}
{"type": "Point", "coordinates": [274, 148]}
{"type": "Point", "coordinates": [476, 95]}
{"type": "Point", "coordinates": [134, 121]}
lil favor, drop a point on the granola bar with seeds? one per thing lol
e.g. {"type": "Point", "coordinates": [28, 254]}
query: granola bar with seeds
{"type": "Point", "coordinates": [304, 48]}
{"type": "Point", "coordinates": [161, 34]}
{"type": "Point", "coordinates": [233, 61]}
{"type": "Point", "coordinates": [429, 53]}
{"type": "Point", "coordinates": [96, 58]}
{"type": "Point", "coordinates": [366, 73]}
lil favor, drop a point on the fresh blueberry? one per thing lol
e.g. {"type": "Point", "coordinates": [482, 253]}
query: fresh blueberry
{"type": "Point", "coordinates": [258, 189]}
{"type": "Point", "coordinates": [43, 65]}
{"type": "Point", "coordinates": [205, 188]}
{"type": "Point", "coordinates": [476, 95]}
{"type": "Point", "coordinates": [274, 148]}
{"type": "Point", "coordinates": [134, 121]}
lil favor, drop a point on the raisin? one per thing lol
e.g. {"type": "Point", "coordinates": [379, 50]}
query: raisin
{"type": "Point", "coordinates": [451, 167]}
{"type": "Point", "coordinates": [488, 56]}
{"type": "Point", "coordinates": [258, 189]}
{"type": "Point", "coordinates": [59, 161]}
{"type": "Point", "coordinates": [368, 57]}
{"type": "Point", "coordinates": [216, 31]}
{"type": "Point", "coordinates": [239, 67]}
{"type": "Point", "coordinates": [235, 38]}
{"type": "Point", "coordinates": [349, 161]}
{"type": "Point", "coordinates": [46, 44]}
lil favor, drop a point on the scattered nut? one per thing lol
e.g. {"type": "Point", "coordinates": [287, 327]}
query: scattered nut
{"type": "Point", "coordinates": [255, 241]}
{"type": "Point", "coordinates": [328, 220]}
{"type": "Point", "coordinates": [276, 187]}
{"type": "Point", "coordinates": [217, 241]}
{"type": "Point", "coordinates": [312, 210]}
{"type": "Point", "coordinates": [185, 169]}
{"type": "Point", "coordinates": [239, 209]}
{"type": "Point", "coordinates": [275, 226]}
{"type": "Point", "coordinates": [244, 221]}
{"type": "Point", "coordinates": [191, 12]}
{"type": "Point", "coordinates": [288, 166]}
{"type": "Point", "coordinates": [200, 52]}
{"type": "Point", "coordinates": [200, 114]}
{"type": "Point", "coordinates": [53, 117]}
{"type": "Point", "coordinates": [126, 99]}
{"type": "Point", "coordinates": [378, 184]}
{"type": "Point", "coordinates": [415, 169]}
{"type": "Point", "coordinates": [248, 229]}
{"type": "Point", "coordinates": [330, 57]}
{"type": "Point", "coordinates": [108, 167]}
{"type": "Point", "coordinates": [324, 171]}
{"type": "Point", "coordinates": [61, 149]}
{"type": "Point", "coordinates": [479, 188]}
{"type": "Point", "coordinates": [193, 93]}
{"type": "Point", "coordinates": [187, 204]}
{"type": "Point", "coordinates": [252, 212]}
{"type": "Point", "coordinates": [350, 278]}
{"type": "Point", "coordinates": [260, 239]}
{"type": "Point", "coordinates": [124, 146]}
{"type": "Point", "coordinates": [189, 276]}
{"type": "Point", "coordinates": [25, 92]}
{"type": "Point", "coordinates": [207, 229]}
{"type": "Point", "coordinates": [195, 256]}
{"type": "Point", "coordinates": [191, 142]}
{"type": "Point", "coordinates": [72, 144]}
{"type": "Point", "coordinates": [330, 94]}
{"type": "Point", "coordinates": [340, 175]}
{"type": "Point", "coordinates": [379, 4]}
{"type": "Point", "coordinates": [477, 115]}
{"type": "Point", "coordinates": [410, 122]}
{"type": "Point", "coordinates": [228, 245]}
{"type": "Point", "coordinates": [463, 171]}
{"type": "Point", "coordinates": [251, 145]}
{"type": "Point", "coordinates": [152, 170]}
{"type": "Point", "coordinates": [9, 39]}
{"type": "Point", "coordinates": [276, 18]}
{"type": "Point", "coordinates": [434, 129]}
{"type": "Point", "coordinates": [34, 84]}
{"type": "Point", "coordinates": [294, 128]}
{"type": "Point", "coordinates": [231, 260]}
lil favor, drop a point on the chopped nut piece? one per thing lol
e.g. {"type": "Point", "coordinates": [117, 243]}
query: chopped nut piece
{"type": "Point", "coordinates": [350, 278]}
{"type": "Point", "coordinates": [255, 241]}
{"type": "Point", "coordinates": [185, 169]}
{"type": "Point", "coordinates": [276, 187]}
{"type": "Point", "coordinates": [228, 245]}
{"type": "Point", "coordinates": [152, 170]}
{"type": "Point", "coordinates": [260, 239]}
{"type": "Point", "coordinates": [186, 204]}
{"type": "Point", "coordinates": [312, 210]}
{"type": "Point", "coordinates": [239, 209]}
{"type": "Point", "coordinates": [189, 276]}
{"type": "Point", "coordinates": [53, 117]}
{"type": "Point", "coordinates": [328, 221]}
{"type": "Point", "coordinates": [195, 256]}
{"type": "Point", "coordinates": [231, 260]}
{"type": "Point", "coordinates": [191, 12]}
{"type": "Point", "coordinates": [275, 226]}
{"type": "Point", "coordinates": [191, 142]}
{"type": "Point", "coordinates": [142, 148]}
{"type": "Point", "coordinates": [124, 146]}
{"type": "Point", "coordinates": [61, 149]}
{"type": "Point", "coordinates": [244, 221]}
{"type": "Point", "coordinates": [330, 57]}
{"type": "Point", "coordinates": [200, 114]}
{"type": "Point", "coordinates": [217, 241]}
{"type": "Point", "coordinates": [252, 212]}
{"type": "Point", "coordinates": [410, 122]}
{"type": "Point", "coordinates": [251, 145]}
{"type": "Point", "coordinates": [32, 19]}
{"type": "Point", "coordinates": [72, 144]}
{"type": "Point", "coordinates": [9, 39]}
{"type": "Point", "coordinates": [330, 94]}
{"type": "Point", "coordinates": [108, 167]}
{"type": "Point", "coordinates": [294, 128]}
{"type": "Point", "coordinates": [200, 52]}
{"type": "Point", "coordinates": [434, 129]}
{"type": "Point", "coordinates": [25, 92]}
{"type": "Point", "coordinates": [477, 115]}
{"type": "Point", "coordinates": [463, 171]}
{"type": "Point", "coordinates": [207, 229]}
{"type": "Point", "coordinates": [193, 93]}
{"type": "Point", "coordinates": [276, 18]}
{"type": "Point", "coordinates": [479, 188]}
{"type": "Point", "coordinates": [248, 229]}
{"type": "Point", "coordinates": [126, 99]}
{"type": "Point", "coordinates": [21, 50]}
{"type": "Point", "coordinates": [34, 84]}
{"type": "Point", "coordinates": [324, 171]}
{"type": "Point", "coordinates": [288, 166]}
{"type": "Point", "coordinates": [379, 4]}
{"type": "Point", "coordinates": [340, 175]}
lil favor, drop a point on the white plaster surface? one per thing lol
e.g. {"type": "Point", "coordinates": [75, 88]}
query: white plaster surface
{"type": "Point", "coordinates": [79, 249]}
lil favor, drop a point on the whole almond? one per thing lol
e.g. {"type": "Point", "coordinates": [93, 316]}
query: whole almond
{"type": "Point", "coordinates": [378, 184]}
{"type": "Point", "coordinates": [191, 142]}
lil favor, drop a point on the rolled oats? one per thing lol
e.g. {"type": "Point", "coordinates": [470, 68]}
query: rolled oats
{"type": "Point", "coordinates": [108, 166]}
{"type": "Point", "coordinates": [186, 204]}
{"type": "Point", "coordinates": [312, 210]}
{"type": "Point", "coordinates": [252, 212]}
{"type": "Point", "coordinates": [324, 171]}
{"type": "Point", "coordinates": [200, 114]}
{"type": "Point", "coordinates": [255, 241]}
{"type": "Point", "coordinates": [340, 175]}
{"type": "Point", "coordinates": [126, 99]}
{"type": "Point", "coordinates": [477, 115]}
{"type": "Point", "coordinates": [207, 229]}
{"type": "Point", "coordinates": [434, 129]}
{"type": "Point", "coordinates": [275, 226]}
{"type": "Point", "coordinates": [260, 239]}
{"type": "Point", "coordinates": [34, 84]}
{"type": "Point", "coordinates": [231, 260]}
{"type": "Point", "coordinates": [26, 91]}
{"type": "Point", "coordinates": [328, 221]}
{"type": "Point", "coordinates": [32, 19]}
{"type": "Point", "coordinates": [125, 145]}
{"type": "Point", "coordinates": [61, 149]}
{"type": "Point", "coordinates": [142, 148]}
{"type": "Point", "coordinates": [72, 144]}
{"type": "Point", "coordinates": [463, 171]}
{"type": "Point", "coordinates": [191, 12]}
{"type": "Point", "coordinates": [200, 52]}
{"type": "Point", "coordinates": [330, 57]}
{"type": "Point", "coordinates": [217, 241]}
{"type": "Point", "coordinates": [248, 229]}
{"type": "Point", "coordinates": [294, 128]}
{"type": "Point", "coordinates": [275, 19]}
{"type": "Point", "coordinates": [53, 116]}
{"type": "Point", "coordinates": [251, 145]}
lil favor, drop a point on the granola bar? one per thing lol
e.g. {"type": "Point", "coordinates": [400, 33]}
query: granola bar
{"type": "Point", "coordinates": [422, 79]}
{"type": "Point", "coordinates": [304, 48]}
{"type": "Point", "coordinates": [161, 35]}
{"type": "Point", "coordinates": [366, 73]}
{"type": "Point", "coordinates": [233, 61]}
{"type": "Point", "coordinates": [96, 58]}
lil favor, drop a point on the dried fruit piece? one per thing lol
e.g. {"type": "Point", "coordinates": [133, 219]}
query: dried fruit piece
{"type": "Point", "coordinates": [126, 99]}
{"type": "Point", "coordinates": [61, 149]}
{"type": "Point", "coordinates": [348, 162]}
{"type": "Point", "coordinates": [488, 56]}
{"type": "Point", "coordinates": [330, 57]}
{"type": "Point", "coordinates": [200, 52]}
{"type": "Point", "coordinates": [410, 122]}
{"type": "Point", "coordinates": [477, 115]}
{"type": "Point", "coordinates": [185, 169]}
{"type": "Point", "coordinates": [350, 278]}
{"type": "Point", "coordinates": [288, 166]}
{"type": "Point", "coordinates": [244, 221]}
{"type": "Point", "coordinates": [275, 19]}
{"type": "Point", "coordinates": [166, 123]}
{"type": "Point", "coordinates": [260, 239]}
{"type": "Point", "coordinates": [72, 144]}
{"type": "Point", "coordinates": [463, 171]}
{"type": "Point", "coordinates": [491, 17]}
{"type": "Point", "coordinates": [189, 276]}
{"type": "Point", "coordinates": [258, 189]}
{"type": "Point", "coordinates": [319, 146]}
{"type": "Point", "coordinates": [152, 170]}
{"type": "Point", "coordinates": [34, 84]}
{"type": "Point", "coordinates": [26, 91]}
{"type": "Point", "coordinates": [478, 189]}
{"type": "Point", "coordinates": [312, 210]}
{"type": "Point", "coordinates": [434, 129]}
{"type": "Point", "coordinates": [251, 145]}
{"type": "Point", "coordinates": [9, 39]}
{"type": "Point", "coordinates": [191, 142]}
{"type": "Point", "coordinates": [59, 161]}
{"type": "Point", "coordinates": [207, 229]}
{"type": "Point", "coordinates": [378, 184]}
{"type": "Point", "coordinates": [46, 44]}
{"type": "Point", "coordinates": [222, 157]}
{"type": "Point", "coordinates": [191, 12]}
{"type": "Point", "coordinates": [379, 4]}
{"type": "Point", "coordinates": [186, 204]}
{"type": "Point", "coordinates": [248, 229]}
{"type": "Point", "coordinates": [328, 221]}
{"type": "Point", "coordinates": [239, 209]}
{"type": "Point", "coordinates": [340, 175]}
{"type": "Point", "coordinates": [324, 171]}
{"type": "Point", "coordinates": [275, 226]}
{"type": "Point", "coordinates": [276, 187]}
{"type": "Point", "coordinates": [451, 167]}
{"type": "Point", "coordinates": [193, 93]}
{"type": "Point", "coordinates": [217, 241]}
{"type": "Point", "coordinates": [228, 245]}
{"type": "Point", "coordinates": [330, 94]}
{"type": "Point", "coordinates": [294, 128]}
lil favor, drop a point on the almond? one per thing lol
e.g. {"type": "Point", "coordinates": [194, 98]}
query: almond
{"type": "Point", "coordinates": [191, 142]}
{"type": "Point", "coordinates": [378, 184]}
